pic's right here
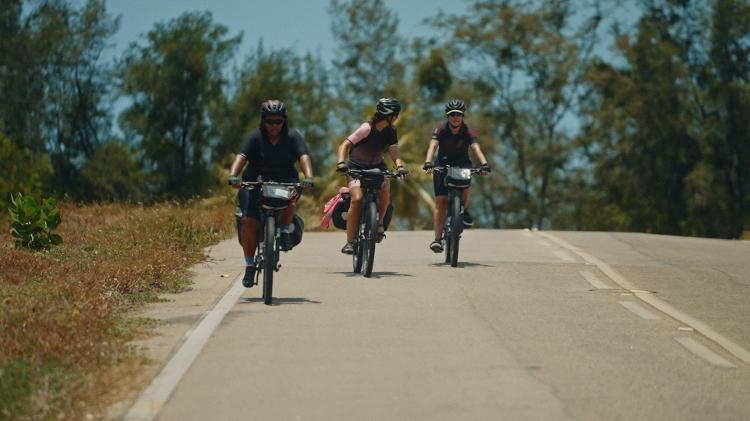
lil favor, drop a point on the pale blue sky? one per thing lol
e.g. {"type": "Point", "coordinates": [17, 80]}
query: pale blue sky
{"type": "Point", "coordinates": [303, 25]}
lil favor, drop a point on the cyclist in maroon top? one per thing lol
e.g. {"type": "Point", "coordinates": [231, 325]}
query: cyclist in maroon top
{"type": "Point", "coordinates": [452, 139]}
{"type": "Point", "coordinates": [365, 148]}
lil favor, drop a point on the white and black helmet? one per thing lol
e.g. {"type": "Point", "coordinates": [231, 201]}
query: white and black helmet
{"type": "Point", "coordinates": [272, 107]}
{"type": "Point", "coordinates": [455, 106]}
{"type": "Point", "coordinates": [388, 106]}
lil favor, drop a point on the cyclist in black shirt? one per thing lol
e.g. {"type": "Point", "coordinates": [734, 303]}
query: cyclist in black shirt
{"type": "Point", "coordinates": [271, 152]}
{"type": "Point", "coordinates": [452, 139]}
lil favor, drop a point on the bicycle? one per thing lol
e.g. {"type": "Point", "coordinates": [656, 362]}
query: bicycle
{"type": "Point", "coordinates": [371, 181]}
{"type": "Point", "coordinates": [273, 198]}
{"type": "Point", "coordinates": [457, 179]}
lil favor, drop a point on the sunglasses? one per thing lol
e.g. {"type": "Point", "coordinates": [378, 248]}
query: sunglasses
{"type": "Point", "coordinates": [455, 114]}
{"type": "Point", "coordinates": [274, 122]}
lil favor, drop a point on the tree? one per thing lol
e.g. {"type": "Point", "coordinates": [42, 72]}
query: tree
{"type": "Point", "coordinates": [22, 171]}
{"type": "Point", "coordinates": [300, 81]}
{"type": "Point", "coordinates": [174, 81]}
{"type": "Point", "coordinates": [112, 175]}
{"type": "Point", "coordinates": [527, 56]}
{"type": "Point", "coordinates": [54, 82]}
{"type": "Point", "coordinates": [666, 131]}
{"type": "Point", "coordinates": [366, 32]}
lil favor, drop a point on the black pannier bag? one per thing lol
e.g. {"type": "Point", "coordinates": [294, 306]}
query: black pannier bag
{"type": "Point", "coordinates": [342, 208]}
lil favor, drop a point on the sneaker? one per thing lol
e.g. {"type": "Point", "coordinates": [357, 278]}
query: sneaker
{"type": "Point", "coordinates": [436, 246]}
{"type": "Point", "coordinates": [249, 279]}
{"type": "Point", "coordinates": [348, 248]}
{"type": "Point", "coordinates": [285, 241]}
{"type": "Point", "coordinates": [468, 220]}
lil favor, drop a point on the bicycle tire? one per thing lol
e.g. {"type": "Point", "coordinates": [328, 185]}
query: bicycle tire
{"type": "Point", "coordinates": [371, 236]}
{"type": "Point", "coordinates": [447, 229]}
{"type": "Point", "coordinates": [269, 259]}
{"type": "Point", "coordinates": [456, 225]}
{"type": "Point", "coordinates": [357, 257]}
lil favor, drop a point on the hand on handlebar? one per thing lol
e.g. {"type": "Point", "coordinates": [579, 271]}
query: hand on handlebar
{"type": "Point", "coordinates": [402, 172]}
{"type": "Point", "coordinates": [485, 169]}
{"type": "Point", "coordinates": [308, 184]}
{"type": "Point", "coordinates": [342, 167]}
{"type": "Point", "coordinates": [234, 181]}
{"type": "Point", "coordinates": [428, 167]}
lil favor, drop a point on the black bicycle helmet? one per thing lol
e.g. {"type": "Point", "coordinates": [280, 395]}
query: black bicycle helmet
{"type": "Point", "coordinates": [455, 105]}
{"type": "Point", "coordinates": [272, 107]}
{"type": "Point", "coordinates": [388, 106]}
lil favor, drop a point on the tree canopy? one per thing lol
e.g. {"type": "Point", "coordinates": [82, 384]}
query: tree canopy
{"type": "Point", "coordinates": [589, 121]}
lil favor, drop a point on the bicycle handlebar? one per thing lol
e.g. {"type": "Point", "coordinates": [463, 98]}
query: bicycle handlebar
{"type": "Point", "coordinates": [443, 168]}
{"type": "Point", "coordinates": [252, 184]}
{"type": "Point", "coordinates": [358, 173]}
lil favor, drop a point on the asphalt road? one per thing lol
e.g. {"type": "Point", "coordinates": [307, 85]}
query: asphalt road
{"type": "Point", "coordinates": [531, 325]}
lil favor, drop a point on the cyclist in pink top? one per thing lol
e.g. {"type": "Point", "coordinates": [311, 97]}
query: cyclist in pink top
{"type": "Point", "coordinates": [365, 148]}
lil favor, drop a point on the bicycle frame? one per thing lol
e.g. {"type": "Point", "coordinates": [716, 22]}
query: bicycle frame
{"type": "Point", "coordinates": [369, 217]}
{"type": "Point", "coordinates": [267, 254]}
{"type": "Point", "coordinates": [453, 224]}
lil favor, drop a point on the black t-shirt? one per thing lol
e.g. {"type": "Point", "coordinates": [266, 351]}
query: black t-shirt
{"type": "Point", "coordinates": [273, 162]}
{"type": "Point", "coordinates": [453, 149]}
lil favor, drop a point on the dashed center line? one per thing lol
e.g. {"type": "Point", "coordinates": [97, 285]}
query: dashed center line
{"type": "Point", "coordinates": [704, 352]}
{"type": "Point", "coordinates": [729, 345]}
{"type": "Point", "coordinates": [639, 310]}
{"type": "Point", "coordinates": [593, 280]}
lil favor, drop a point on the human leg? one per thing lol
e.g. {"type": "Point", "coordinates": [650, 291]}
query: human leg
{"type": "Point", "coordinates": [352, 218]}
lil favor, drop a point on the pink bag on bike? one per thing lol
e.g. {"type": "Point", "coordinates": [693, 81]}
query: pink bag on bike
{"type": "Point", "coordinates": [330, 206]}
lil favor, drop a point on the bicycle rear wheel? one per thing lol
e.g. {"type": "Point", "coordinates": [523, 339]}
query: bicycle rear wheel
{"type": "Point", "coordinates": [371, 235]}
{"type": "Point", "coordinates": [269, 259]}
{"type": "Point", "coordinates": [456, 226]}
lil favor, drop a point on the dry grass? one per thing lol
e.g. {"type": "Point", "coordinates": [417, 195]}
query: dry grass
{"type": "Point", "coordinates": [63, 331]}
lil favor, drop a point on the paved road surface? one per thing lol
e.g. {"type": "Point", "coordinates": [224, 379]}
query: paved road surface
{"type": "Point", "coordinates": [530, 326]}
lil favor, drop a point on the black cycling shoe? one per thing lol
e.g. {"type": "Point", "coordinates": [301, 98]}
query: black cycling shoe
{"type": "Point", "coordinates": [285, 241]}
{"type": "Point", "coordinates": [436, 246]}
{"type": "Point", "coordinates": [468, 220]}
{"type": "Point", "coordinates": [348, 248]}
{"type": "Point", "coordinates": [249, 279]}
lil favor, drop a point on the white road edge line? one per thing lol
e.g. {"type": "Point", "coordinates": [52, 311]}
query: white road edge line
{"type": "Point", "coordinates": [704, 352]}
{"type": "Point", "coordinates": [639, 310]}
{"type": "Point", "coordinates": [724, 342]}
{"type": "Point", "coordinates": [151, 400]}
{"type": "Point", "coordinates": [593, 280]}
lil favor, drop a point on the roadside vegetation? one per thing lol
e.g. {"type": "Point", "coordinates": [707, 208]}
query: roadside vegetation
{"type": "Point", "coordinates": [64, 325]}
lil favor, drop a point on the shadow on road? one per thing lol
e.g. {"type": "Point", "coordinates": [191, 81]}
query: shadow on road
{"type": "Point", "coordinates": [463, 265]}
{"type": "Point", "coordinates": [280, 301]}
{"type": "Point", "coordinates": [374, 274]}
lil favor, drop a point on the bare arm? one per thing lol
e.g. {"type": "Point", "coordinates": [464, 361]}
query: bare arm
{"type": "Point", "coordinates": [237, 165]}
{"type": "Point", "coordinates": [431, 150]}
{"type": "Point", "coordinates": [343, 151]}
{"type": "Point", "coordinates": [478, 153]}
{"type": "Point", "coordinates": [395, 156]}
{"type": "Point", "coordinates": [305, 164]}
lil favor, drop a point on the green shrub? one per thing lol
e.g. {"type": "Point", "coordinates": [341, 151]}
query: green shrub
{"type": "Point", "coordinates": [32, 224]}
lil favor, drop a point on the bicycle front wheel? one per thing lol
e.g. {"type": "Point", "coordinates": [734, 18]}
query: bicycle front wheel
{"type": "Point", "coordinates": [371, 236]}
{"type": "Point", "coordinates": [269, 259]}
{"type": "Point", "coordinates": [456, 225]}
